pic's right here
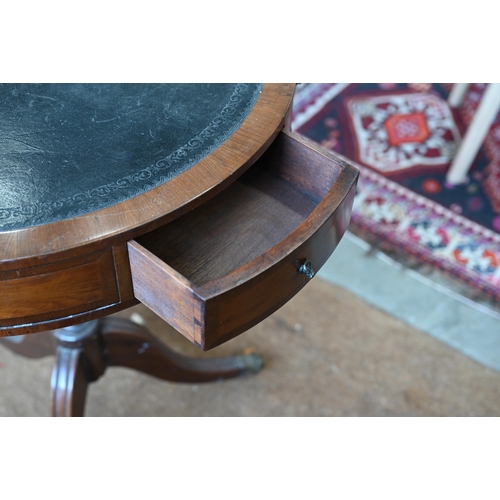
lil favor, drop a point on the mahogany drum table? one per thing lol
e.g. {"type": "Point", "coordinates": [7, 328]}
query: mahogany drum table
{"type": "Point", "coordinates": [194, 199]}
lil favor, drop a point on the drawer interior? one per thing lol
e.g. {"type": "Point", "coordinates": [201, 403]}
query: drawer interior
{"type": "Point", "coordinates": [254, 214]}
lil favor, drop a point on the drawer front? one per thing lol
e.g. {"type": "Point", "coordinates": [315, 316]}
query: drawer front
{"type": "Point", "coordinates": [42, 294]}
{"type": "Point", "coordinates": [209, 316]}
{"type": "Point", "coordinates": [236, 310]}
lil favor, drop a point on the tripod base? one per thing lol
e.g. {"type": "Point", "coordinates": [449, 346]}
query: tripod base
{"type": "Point", "coordinates": [83, 352]}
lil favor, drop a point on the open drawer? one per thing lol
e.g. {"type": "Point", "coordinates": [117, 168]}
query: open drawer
{"type": "Point", "coordinates": [227, 265]}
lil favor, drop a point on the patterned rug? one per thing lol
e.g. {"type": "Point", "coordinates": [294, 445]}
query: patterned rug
{"type": "Point", "coordinates": [402, 138]}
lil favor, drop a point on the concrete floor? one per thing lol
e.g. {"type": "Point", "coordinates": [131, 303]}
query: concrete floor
{"type": "Point", "coordinates": [431, 305]}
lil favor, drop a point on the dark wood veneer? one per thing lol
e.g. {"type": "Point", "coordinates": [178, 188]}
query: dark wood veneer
{"type": "Point", "coordinates": [222, 268]}
{"type": "Point", "coordinates": [40, 255]}
{"type": "Point", "coordinates": [128, 219]}
{"type": "Point", "coordinates": [60, 289]}
{"type": "Point", "coordinates": [216, 250]}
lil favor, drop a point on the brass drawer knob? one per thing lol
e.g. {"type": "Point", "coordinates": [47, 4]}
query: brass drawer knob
{"type": "Point", "coordinates": [307, 269]}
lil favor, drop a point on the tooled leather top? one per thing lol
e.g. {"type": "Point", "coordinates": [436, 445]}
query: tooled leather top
{"type": "Point", "coordinates": [70, 149]}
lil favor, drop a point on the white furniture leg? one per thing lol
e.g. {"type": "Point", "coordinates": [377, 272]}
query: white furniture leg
{"type": "Point", "coordinates": [474, 137]}
{"type": "Point", "coordinates": [457, 94]}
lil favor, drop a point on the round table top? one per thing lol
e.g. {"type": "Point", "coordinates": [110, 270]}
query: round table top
{"type": "Point", "coordinates": [67, 150]}
{"type": "Point", "coordinates": [80, 163]}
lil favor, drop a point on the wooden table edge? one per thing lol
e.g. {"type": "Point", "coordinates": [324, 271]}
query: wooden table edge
{"type": "Point", "coordinates": [120, 222]}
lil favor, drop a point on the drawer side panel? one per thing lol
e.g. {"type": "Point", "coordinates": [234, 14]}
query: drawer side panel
{"type": "Point", "coordinates": [166, 292]}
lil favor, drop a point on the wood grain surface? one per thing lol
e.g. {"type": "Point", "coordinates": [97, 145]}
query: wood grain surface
{"type": "Point", "coordinates": [155, 207]}
{"type": "Point", "coordinates": [227, 265]}
{"type": "Point", "coordinates": [43, 283]}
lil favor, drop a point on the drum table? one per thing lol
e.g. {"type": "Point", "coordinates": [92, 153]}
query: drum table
{"type": "Point", "coordinates": [195, 199]}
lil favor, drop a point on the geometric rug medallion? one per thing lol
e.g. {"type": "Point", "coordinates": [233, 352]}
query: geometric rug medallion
{"type": "Point", "coordinates": [402, 138]}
